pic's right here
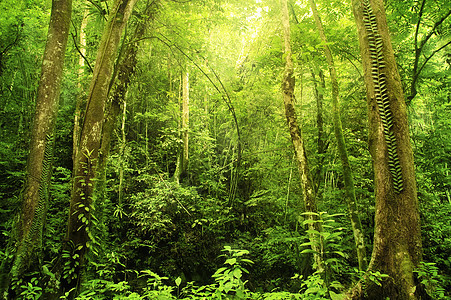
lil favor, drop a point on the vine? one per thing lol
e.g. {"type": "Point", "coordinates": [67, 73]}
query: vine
{"type": "Point", "coordinates": [378, 75]}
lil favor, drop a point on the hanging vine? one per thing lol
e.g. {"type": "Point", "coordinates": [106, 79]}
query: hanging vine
{"type": "Point", "coordinates": [377, 73]}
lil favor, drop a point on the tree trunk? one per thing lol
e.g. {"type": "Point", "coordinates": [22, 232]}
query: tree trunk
{"type": "Point", "coordinates": [351, 199]}
{"type": "Point", "coordinates": [81, 91]}
{"type": "Point", "coordinates": [288, 85]}
{"type": "Point", "coordinates": [321, 142]}
{"type": "Point", "coordinates": [88, 155]}
{"type": "Point", "coordinates": [397, 242]}
{"type": "Point", "coordinates": [122, 154]}
{"type": "Point", "coordinates": [182, 160]}
{"type": "Point", "coordinates": [39, 165]}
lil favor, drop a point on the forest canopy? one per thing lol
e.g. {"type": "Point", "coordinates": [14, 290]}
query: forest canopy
{"type": "Point", "coordinates": [225, 149]}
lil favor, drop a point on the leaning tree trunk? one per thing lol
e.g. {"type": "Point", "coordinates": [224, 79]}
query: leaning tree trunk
{"type": "Point", "coordinates": [39, 165]}
{"type": "Point", "coordinates": [122, 77]}
{"type": "Point", "coordinates": [397, 243]}
{"type": "Point", "coordinates": [351, 199]}
{"type": "Point", "coordinates": [288, 85]}
{"type": "Point", "coordinates": [85, 165]}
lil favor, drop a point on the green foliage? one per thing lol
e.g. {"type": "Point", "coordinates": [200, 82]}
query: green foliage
{"type": "Point", "coordinates": [229, 278]}
{"type": "Point", "coordinates": [30, 290]}
{"type": "Point", "coordinates": [25, 288]}
{"type": "Point", "coordinates": [71, 262]}
{"type": "Point", "coordinates": [228, 284]}
{"type": "Point", "coordinates": [327, 240]}
{"type": "Point", "coordinates": [370, 276]}
{"type": "Point", "coordinates": [430, 277]}
{"type": "Point", "coordinates": [177, 231]}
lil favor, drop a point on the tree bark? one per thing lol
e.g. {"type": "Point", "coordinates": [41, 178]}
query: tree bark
{"type": "Point", "coordinates": [351, 199]}
{"type": "Point", "coordinates": [39, 165]}
{"type": "Point", "coordinates": [321, 141]}
{"type": "Point", "coordinates": [182, 160]}
{"type": "Point", "coordinates": [122, 154]}
{"type": "Point", "coordinates": [397, 242]}
{"type": "Point", "coordinates": [88, 155]}
{"type": "Point", "coordinates": [81, 92]}
{"type": "Point", "coordinates": [288, 85]}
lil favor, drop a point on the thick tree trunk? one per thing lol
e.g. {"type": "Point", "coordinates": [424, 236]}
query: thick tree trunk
{"type": "Point", "coordinates": [88, 155]}
{"type": "Point", "coordinates": [39, 164]}
{"type": "Point", "coordinates": [351, 199]}
{"type": "Point", "coordinates": [397, 242]}
{"type": "Point", "coordinates": [288, 85]}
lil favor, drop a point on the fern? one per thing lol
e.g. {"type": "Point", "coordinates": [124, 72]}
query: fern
{"type": "Point", "coordinates": [41, 208]}
{"type": "Point", "coordinates": [34, 234]}
{"type": "Point", "coordinates": [377, 73]}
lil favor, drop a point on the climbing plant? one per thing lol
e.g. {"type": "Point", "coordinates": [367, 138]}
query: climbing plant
{"type": "Point", "coordinates": [377, 72]}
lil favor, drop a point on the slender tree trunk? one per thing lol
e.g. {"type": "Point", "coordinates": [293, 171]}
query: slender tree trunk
{"type": "Point", "coordinates": [182, 160]}
{"type": "Point", "coordinates": [39, 165]}
{"type": "Point", "coordinates": [397, 242]}
{"type": "Point", "coordinates": [321, 143]}
{"type": "Point", "coordinates": [88, 155]}
{"type": "Point", "coordinates": [288, 85]}
{"type": "Point", "coordinates": [351, 199]}
{"type": "Point", "coordinates": [122, 154]}
{"type": "Point", "coordinates": [81, 94]}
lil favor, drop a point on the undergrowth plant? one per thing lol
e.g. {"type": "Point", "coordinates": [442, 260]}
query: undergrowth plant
{"type": "Point", "coordinates": [434, 282]}
{"type": "Point", "coordinates": [328, 241]}
{"type": "Point", "coordinates": [229, 284]}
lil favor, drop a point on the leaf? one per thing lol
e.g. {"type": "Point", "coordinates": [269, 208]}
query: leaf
{"type": "Point", "coordinates": [178, 281]}
{"type": "Point", "coordinates": [231, 261]}
{"type": "Point", "coordinates": [308, 251]}
{"type": "Point", "coordinates": [340, 253]}
{"type": "Point", "coordinates": [335, 296]}
{"type": "Point", "coordinates": [247, 261]}
{"type": "Point", "coordinates": [237, 273]}
{"type": "Point", "coordinates": [220, 270]}
{"type": "Point", "coordinates": [308, 244]}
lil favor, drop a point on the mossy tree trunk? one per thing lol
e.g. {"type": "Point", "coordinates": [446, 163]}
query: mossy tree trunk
{"type": "Point", "coordinates": [397, 242]}
{"type": "Point", "coordinates": [39, 165]}
{"type": "Point", "coordinates": [288, 86]}
{"type": "Point", "coordinates": [123, 75]}
{"type": "Point", "coordinates": [351, 199]}
{"type": "Point", "coordinates": [78, 238]}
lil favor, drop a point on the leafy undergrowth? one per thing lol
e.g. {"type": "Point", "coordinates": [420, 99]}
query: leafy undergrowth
{"type": "Point", "coordinates": [229, 283]}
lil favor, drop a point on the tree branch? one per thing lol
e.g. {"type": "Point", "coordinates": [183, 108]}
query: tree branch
{"type": "Point", "coordinates": [79, 52]}
{"type": "Point", "coordinates": [432, 54]}
{"type": "Point", "coordinates": [78, 49]}
{"type": "Point", "coordinates": [419, 49]}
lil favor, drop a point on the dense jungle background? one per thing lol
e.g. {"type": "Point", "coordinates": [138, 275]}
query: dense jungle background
{"type": "Point", "coordinates": [192, 187]}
